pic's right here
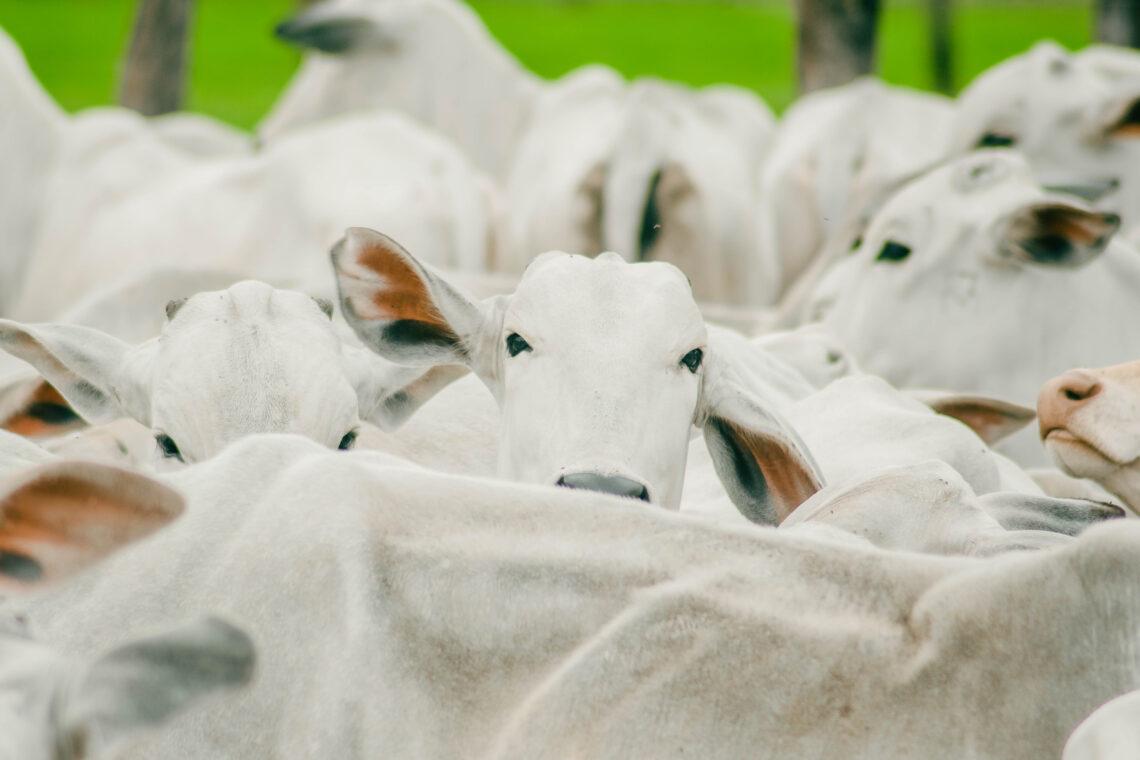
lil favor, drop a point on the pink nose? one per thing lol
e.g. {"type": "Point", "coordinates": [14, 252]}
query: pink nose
{"type": "Point", "coordinates": [1062, 395]}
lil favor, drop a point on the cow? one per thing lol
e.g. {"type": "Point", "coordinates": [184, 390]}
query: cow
{"type": "Point", "coordinates": [58, 518]}
{"type": "Point", "coordinates": [837, 155]}
{"type": "Point", "coordinates": [228, 363]}
{"type": "Point", "coordinates": [1089, 422]}
{"type": "Point", "coordinates": [974, 279]}
{"type": "Point", "coordinates": [1073, 116]}
{"type": "Point", "coordinates": [90, 197]}
{"type": "Point", "coordinates": [587, 163]}
{"type": "Point", "coordinates": [600, 368]}
{"type": "Point", "coordinates": [402, 612]}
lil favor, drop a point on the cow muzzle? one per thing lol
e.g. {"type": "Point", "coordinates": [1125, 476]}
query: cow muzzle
{"type": "Point", "coordinates": [615, 485]}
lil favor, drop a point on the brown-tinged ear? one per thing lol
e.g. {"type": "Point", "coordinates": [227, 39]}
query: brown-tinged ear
{"type": "Point", "coordinates": [1056, 233]}
{"type": "Point", "coordinates": [992, 419]}
{"type": "Point", "coordinates": [1127, 121]}
{"type": "Point", "coordinates": [58, 518]}
{"type": "Point", "coordinates": [762, 463]}
{"type": "Point", "coordinates": [40, 412]}
{"type": "Point", "coordinates": [398, 307]}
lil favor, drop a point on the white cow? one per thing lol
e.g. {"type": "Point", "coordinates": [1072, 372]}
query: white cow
{"type": "Point", "coordinates": [108, 192]}
{"type": "Point", "coordinates": [837, 155]}
{"type": "Point", "coordinates": [1089, 420]}
{"type": "Point", "coordinates": [973, 279]}
{"type": "Point", "coordinates": [587, 163]}
{"type": "Point", "coordinates": [1075, 117]}
{"type": "Point", "coordinates": [600, 369]}
{"type": "Point", "coordinates": [272, 213]}
{"type": "Point", "coordinates": [226, 364]}
{"type": "Point", "coordinates": [57, 518]}
{"type": "Point", "coordinates": [405, 613]}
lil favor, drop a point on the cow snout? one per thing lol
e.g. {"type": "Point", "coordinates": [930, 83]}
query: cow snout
{"type": "Point", "coordinates": [1062, 395]}
{"type": "Point", "coordinates": [611, 484]}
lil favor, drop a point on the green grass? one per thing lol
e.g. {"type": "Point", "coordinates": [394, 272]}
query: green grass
{"type": "Point", "coordinates": [238, 69]}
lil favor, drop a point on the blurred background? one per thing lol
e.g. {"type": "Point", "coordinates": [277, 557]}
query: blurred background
{"type": "Point", "coordinates": [237, 68]}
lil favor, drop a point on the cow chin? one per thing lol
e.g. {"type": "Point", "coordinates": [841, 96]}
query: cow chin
{"type": "Point", "coordinates": [1077, 456]}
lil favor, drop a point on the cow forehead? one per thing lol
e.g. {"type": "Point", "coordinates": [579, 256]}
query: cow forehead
{"type": "Point", "coordinates": [568, 293]}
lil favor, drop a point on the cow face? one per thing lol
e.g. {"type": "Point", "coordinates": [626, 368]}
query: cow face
{"type": "Point", "coordinates": [600, 368]}
{"type": "Point", "coordinates": [1075, 117]}
{"type": "Point", "coordinates": [977, 236]}
{"type": "Point", "coordinates": [1090, 424]}
{"type": "Point", "coordinates": [229, 363]}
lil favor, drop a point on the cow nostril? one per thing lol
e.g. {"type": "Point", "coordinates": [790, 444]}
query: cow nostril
{"type": "Point", "coordinates": [615, 485]}
{"type": "Point", "coordinates": [1080, 391]}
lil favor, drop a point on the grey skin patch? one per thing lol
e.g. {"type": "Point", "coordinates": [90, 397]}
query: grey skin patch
{"type": "Point", "coordinates": [19, 567]}
{"type": "Point", "coordinates": [325, 305]}
{"type": "Point", "coordinates": [172, 307]}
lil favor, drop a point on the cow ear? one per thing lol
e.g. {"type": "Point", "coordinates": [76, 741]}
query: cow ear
{"type": "Point", "coordinates": [1022, 511]}
{"type": "Point", "coordinates": [390, 393]}
{"type": "Point", "coordinates": [142, 684]}
{"type": "Point", "coordinates": [992, 419]}
{"type": "Point", "coordinates": [91, 370]}
{"type": "Point", "coordinates": [1056, 233]}
{"type": "Point", "coordinates": [399, 308]}
{"type": "Point", "coordinates": [60, 517]}
{"type": "Point", "coordinates": [764, 466]}
{"type": "Point", "coordinates": [327, 29]}
{"type": "Point", "coordinates": [33, 408]}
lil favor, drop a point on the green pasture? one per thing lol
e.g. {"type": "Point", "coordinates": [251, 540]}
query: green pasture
{"type": "Point", "coordinates": [238, 68]}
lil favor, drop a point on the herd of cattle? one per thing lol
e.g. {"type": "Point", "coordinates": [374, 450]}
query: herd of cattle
{"type": "Point", "coordinates": [803, 510]}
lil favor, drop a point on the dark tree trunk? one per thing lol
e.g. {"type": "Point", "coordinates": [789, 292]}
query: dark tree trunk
{"type": "Point", "coordinates": [1118, 22]}
{"type": "Point", "coordinates": [154, 76]}
{"type": "Point", "coordinates": [941, 46]}
{"type": "Point", "coordinates": [836, 41]}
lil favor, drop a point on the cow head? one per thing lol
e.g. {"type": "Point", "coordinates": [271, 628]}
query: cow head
{"type": "Point", "coordinates": [600, 368]}
{"type": "Point", "coordinates": [962, 234]}
{"type": "Point", "coordinates": [1090, 424]}
{"type": "Point", "coordinates": [249, 359]}
{"type": "Point", "coordinates": [1073, 116]}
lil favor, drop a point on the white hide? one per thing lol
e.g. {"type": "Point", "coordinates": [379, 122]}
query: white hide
{"type": "Point", "coordinates": [31, 129]}
{"type": "Point", "coordinates": [431, 59]}
{"type": "Point", "coordinates": [600, 369]}
{"type": "Point", "coordinates": [655, 170]}
{"type": "Point", "coordinates": [587, 624]}
{"type": "Point", "coordinates": [1112, 732]}
{"type": "Point", "coordinates": [973, 279]}
{"type": "Point", "coordinates": [274, 213]}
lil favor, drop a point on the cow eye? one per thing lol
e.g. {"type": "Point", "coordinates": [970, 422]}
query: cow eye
{"type": "Point", "coordinates": [692, 360]}
{"type": "Point", "coordinates": [168, 446]}
{"type": "Point", "coordinates": [892, 251]}
{"type": "Point", "coordinates": [516, 344]}
{"type": "Point", "coordinates": [996, 140]}
{"type": "Point", "coordinates": [348, 441]}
